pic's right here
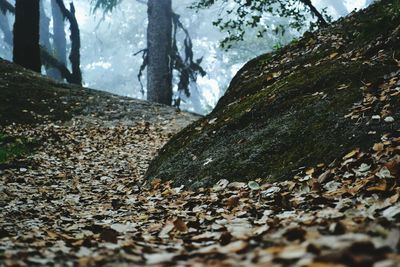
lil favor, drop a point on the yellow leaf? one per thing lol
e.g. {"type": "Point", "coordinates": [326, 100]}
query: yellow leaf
{"type": "Point", "coordinates": [276, 74]}
{"type": "Point", "coordinates": [333, 55]}
{"type": "Point", "coordinates": [343, 86]}
{"type": "Point", "coordinates": [378, 147]}
{"type": "Point", "coordinates": [351, 154]}
{"type": "Point", "coordinates": [380, 187]}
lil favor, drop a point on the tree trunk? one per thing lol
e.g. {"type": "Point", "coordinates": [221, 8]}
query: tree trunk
{"type": "Point", "coordinates": [26, 34]}
{"type": "Point", "coordinates": [45, 41]}
{"type": "Point", "coordinates": [74, 56]}
{"type": "Point", "coordinates": [59, 38]}
{"type": "Point", "coordinates": [159, 42]}
{"type": "Point", "coordinates": [5, 28]}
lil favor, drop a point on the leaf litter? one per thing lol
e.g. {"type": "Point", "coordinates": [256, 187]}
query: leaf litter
{"type": "Point", "coordinates": [80, 201]}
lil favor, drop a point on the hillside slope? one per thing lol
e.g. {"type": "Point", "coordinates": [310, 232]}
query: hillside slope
{"type": "Point", "coordinates": [309, 103]}
{"type": "Point", "coordinates": [29, 98]}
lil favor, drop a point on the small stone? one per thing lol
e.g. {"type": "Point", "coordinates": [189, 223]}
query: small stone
{"type": "Point", "coordinates": [376, 117]}
{"type": "Point", "coordinates": [389, 119]}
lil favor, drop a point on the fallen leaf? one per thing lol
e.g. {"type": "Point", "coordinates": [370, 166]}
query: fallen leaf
{"type": "Point", "coordinates": [109, 235]}
{"type": "Point", "coordinates": [180, 225]}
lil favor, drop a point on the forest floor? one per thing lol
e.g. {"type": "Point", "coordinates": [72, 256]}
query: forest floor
{"type": "Point", "coordinates": [74, 194]}
{"type": "Point", "coordinates": [79, 200]}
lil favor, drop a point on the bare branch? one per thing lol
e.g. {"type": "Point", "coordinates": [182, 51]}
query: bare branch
{"type": "Point", "coordinates": [6, 6]}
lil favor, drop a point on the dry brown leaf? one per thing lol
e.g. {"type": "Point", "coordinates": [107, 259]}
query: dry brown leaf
{"type": "Point", "coordinates": [232, 202]}
{"type": "Point", "coordinates": [378, 147]}
{"type": "Point", "coordinates": [180, 225]}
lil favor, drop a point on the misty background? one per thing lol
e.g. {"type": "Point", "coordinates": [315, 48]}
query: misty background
{"type": "Point", "coordinates": [110, 41]}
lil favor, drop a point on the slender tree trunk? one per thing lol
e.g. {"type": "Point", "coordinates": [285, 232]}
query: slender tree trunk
{"type": "Point", "coordinates": [59, 38]}
{"type": "Point", "coordinates": [74, 56]}
{"type": "Point", "coordinates": [45, 41]}
{"type": "Point", "coordinates": [159, 42]}
{"type": "Point", "coordinates": [5, 28]}
{"type": "Point", "coordinates": [26, 34]}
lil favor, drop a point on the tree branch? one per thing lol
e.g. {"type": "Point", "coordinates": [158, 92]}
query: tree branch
{"type": "Point", "coordinates": [315, 12]}
{"type": "Point", "coordinates": [50, 60]}
{"type": "Point", "coordinates": [6, 6]}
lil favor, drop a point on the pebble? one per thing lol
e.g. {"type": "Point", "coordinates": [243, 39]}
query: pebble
{"type": "Point", "coordinates": [389, 119]}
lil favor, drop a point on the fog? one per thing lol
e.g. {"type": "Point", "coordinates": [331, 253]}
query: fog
{"type": "Point", "coordinates": [109, 42]}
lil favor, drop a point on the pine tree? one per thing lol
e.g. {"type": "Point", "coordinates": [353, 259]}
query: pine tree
{"type": "Point", "coordinates": [26, 34]}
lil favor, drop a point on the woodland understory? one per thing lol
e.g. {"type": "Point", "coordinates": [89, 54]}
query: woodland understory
{"type": "Point", "coordinates": [76, 188]}
{"type": "Point", "coordinates": [80, 200]}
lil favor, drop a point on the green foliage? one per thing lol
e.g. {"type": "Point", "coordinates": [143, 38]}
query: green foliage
{"type": "Point", "coordinates": [12, 147]}
{"type": "Point", "coordinates": [237, 16]}
{"type": "Point", "coordinates": [105, 5]}
{"type": "Point", "coordinates": [188, 69]}
{"type": "Point", "coordinates": [278, 46]}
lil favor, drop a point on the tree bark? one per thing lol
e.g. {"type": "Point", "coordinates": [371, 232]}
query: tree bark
{"type": "Point", "coordinates": [75, 56]}
{"type": "Point", "coordinates": [26, 34]}
{"type": "Point", "coordinates": [159, 44]}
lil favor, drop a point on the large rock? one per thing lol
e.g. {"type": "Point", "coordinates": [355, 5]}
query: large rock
{"type": "Point", "coordinates": [299, 106]}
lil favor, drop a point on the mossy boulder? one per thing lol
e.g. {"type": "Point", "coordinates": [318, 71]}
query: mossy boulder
{"type": "Point", "coordinates": [294, 107]}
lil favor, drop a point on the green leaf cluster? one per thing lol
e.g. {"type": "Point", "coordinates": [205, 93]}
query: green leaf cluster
{"type": "Point", "coordinates": [105, 5]}
{"type": "Point", "coordinates": [238, 16]}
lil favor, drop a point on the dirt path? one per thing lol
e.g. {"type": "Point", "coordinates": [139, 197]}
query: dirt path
{"type": "Point", "coordinates": [83, 171]}
{"type": "Point", "coordinates": [79, 202]}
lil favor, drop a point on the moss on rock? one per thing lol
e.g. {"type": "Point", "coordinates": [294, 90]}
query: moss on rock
{"type": "Point", "coordinates": [12, 147]}
{"type": "Point", "coordinates": [287, 109]}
